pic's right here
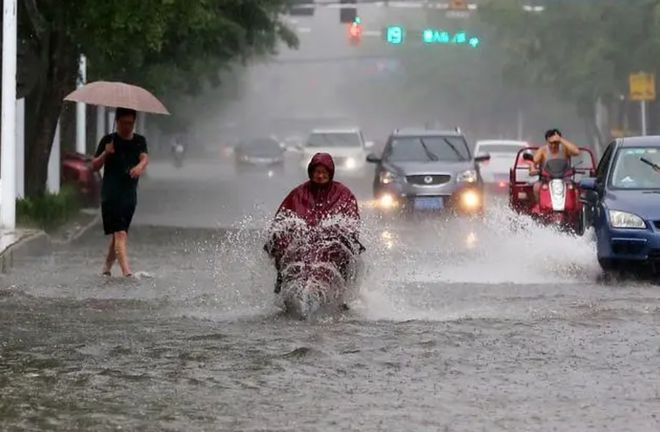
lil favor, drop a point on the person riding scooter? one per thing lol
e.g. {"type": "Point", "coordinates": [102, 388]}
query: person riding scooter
{"type": "Point", "coordinates": [557, 147]}
{"type": "Point", "coordinates": [178, 149]}
{"type": "Point", "coordinates": [313, 202]}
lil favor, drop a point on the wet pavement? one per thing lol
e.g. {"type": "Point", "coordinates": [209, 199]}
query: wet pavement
{"type": "Point", "coordinates": [459, 327]}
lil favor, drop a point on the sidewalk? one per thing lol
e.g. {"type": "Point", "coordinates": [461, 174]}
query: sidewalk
{"type": "Point", "coordinates": [23, 241]}
{"type": "Point", "coordinates": [9, 239]}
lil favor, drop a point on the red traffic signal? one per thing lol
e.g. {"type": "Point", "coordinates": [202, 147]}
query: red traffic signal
{"type": "Point", "coordinates": [355, 32]}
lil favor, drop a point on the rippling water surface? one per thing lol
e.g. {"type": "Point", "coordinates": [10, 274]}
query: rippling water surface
{"type": "Point", "coordinates": [459, 327]}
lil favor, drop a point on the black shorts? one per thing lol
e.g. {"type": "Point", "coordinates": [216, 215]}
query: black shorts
{"type": "Point", "coordinates": [117, 215]}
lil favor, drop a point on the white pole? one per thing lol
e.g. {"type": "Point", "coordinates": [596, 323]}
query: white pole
{"type": "Point", "coordinates": [20, 148]}
{"type": "Point", "coordinates": [141, 122]}
{"type": "Point", "coordinates": [81, 118]}
{"type": "Point", "coordinates": [111, 120]}
{"type": "Point", "coordinates": [100, 123]}
{"type": "Point", "coordinates": [8, 125]}
{"type": "Point", "coordinates": [53, 182]}
{"type": "Point", "coordinates": [643, 103]}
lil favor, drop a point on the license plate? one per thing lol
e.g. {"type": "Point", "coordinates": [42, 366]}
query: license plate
{"type": "Point", "coordinates": [429, 203]}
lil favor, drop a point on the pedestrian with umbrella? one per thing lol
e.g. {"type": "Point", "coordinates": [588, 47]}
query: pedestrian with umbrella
{"type": "Point", "coordinates": [124, 156]}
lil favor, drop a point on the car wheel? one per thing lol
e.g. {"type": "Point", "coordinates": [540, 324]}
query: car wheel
{"type": "Point", "coordinates": [608, 265]}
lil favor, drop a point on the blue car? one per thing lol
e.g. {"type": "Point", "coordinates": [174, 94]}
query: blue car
{"type": "Point", "coordinates": [622, 203]}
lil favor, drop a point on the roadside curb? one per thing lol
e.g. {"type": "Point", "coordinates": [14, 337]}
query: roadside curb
{"type": "Point", "coordinates": [29, 244]}
{"type": "Point", "coordinates": [80, 232]}
{"type": "Point", "coordinates": [39, 242]}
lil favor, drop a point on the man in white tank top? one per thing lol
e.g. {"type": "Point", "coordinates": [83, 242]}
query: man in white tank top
{"type": "Point", "coordinates": [557, 147]}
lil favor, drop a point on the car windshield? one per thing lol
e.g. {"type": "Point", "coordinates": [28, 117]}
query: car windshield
{"type": "Point", "coordinates": [334, 139]}
{"type": "Point", "coordinates": [427, 149]}
{"type": "Point", "coordinates": [499, 148]}
{"type": "Point", "coordinates": [262, 147]}
{"type": "Point", "coordinates": [637, 168]}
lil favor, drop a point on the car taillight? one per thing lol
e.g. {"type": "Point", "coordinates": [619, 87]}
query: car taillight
{"type": "Point", "coordinates": [502, 184]}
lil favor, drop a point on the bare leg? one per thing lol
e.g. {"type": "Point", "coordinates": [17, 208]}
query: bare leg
{"type": "Point", "coordinates": [121, 238]}
{"type": "Point", "coordinates": [111, 257]}
{"type": "Point", "coordinates": [537, 191]}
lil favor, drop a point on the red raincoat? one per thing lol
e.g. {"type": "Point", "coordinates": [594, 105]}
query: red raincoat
{"type": "Point", "coordinates": [313, 203]}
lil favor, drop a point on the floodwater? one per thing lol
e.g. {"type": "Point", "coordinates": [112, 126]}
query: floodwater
{"type": "Point", "coordinates": [459, 327]}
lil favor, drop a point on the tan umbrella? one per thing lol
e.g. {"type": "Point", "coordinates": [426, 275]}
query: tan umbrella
{"type": "Point", "coordinates": [118, 95]}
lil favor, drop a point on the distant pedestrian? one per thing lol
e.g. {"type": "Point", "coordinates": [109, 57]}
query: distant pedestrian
{"type": "Point", "coordinates": [125, 157]}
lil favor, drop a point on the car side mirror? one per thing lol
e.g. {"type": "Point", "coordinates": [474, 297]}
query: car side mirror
{"type": "Point", "coordinates": [589, 184]}
{"type": "Point", "coordinates": [482, 158]}
{"type": "Point", "coordinates": [372, 158]}
{"type": "Point", "coordinates": [369, 144]}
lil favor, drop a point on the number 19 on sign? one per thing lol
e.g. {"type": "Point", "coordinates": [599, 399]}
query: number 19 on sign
{"type": "Point", "coordinates": [395, 35]}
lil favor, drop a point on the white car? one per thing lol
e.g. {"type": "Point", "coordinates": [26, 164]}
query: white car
{"type": "Point", "coordinates": [347, 147]}
{"type": "Point", "coordinates": [495, 172]}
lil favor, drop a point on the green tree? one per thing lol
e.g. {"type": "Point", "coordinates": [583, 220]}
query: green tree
{"type": "Point", "coordinates": [171, 47]}
{"type": "Point", "coordinates": [583, 51]}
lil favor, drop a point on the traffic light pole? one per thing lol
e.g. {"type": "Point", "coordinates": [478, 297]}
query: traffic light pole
{"type": "Point", "coordinates": [8, 122]}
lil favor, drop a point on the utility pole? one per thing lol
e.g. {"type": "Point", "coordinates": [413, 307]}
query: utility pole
{"type": "Point", "coordinates": [20, 148]}
{"type": "Point", "coordinates": [54, 162]}
{"type": "Point", "coordinates": [644, 117]}
{"type": "Point", "coordinates": [81, 117]}
{"type": "Point", "coordinates": [8, 125]}
{"type": "Point", "coordinates": [100, 123]}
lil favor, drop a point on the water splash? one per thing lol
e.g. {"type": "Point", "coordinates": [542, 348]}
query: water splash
{"type": "Point", "coordinates": [245, 274]}
{"type": "Point", "coordinates": [460, 255]}
{"type": "Point", "coordinates": [403, 257]}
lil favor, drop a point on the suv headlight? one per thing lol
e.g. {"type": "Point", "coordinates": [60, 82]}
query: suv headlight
{"type": "Point", "coordinates": [387, 177]}
{"type": "Point", "coordinates": [619, 219]}
{"type": "Point", "coordinates": [469, 176]}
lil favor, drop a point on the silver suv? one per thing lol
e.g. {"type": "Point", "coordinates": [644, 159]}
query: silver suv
{"type": "Point", "coordinates": [428, 170]}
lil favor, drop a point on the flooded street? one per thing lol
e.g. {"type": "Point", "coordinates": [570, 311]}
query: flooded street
{"type": "Point", "coordinates": [459, 327]}
{"type": "Point", "coordinates": [216, 110]}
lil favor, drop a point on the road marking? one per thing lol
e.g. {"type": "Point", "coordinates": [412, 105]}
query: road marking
{"type": "Point", "coordinates": [304, 30]}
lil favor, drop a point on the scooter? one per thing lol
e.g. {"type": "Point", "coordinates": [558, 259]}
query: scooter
{"type": "Point", "coordinates": [559, 202]}
{"type": "Point", "coordinates": [318, 270]}
{"type": "Point", "coordinates": [177, 153]}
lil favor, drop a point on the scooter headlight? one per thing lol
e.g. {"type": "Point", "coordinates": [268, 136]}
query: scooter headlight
{"type": "Point", "coordinates": [619, 219]}
{"type": "Point", "coordinates": [469, 176]}
{"type": "Point", "coordinates": [557, 187]}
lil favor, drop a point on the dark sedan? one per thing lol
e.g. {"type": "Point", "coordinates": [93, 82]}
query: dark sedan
{"type": "Point", "coordinates": [260, 152]}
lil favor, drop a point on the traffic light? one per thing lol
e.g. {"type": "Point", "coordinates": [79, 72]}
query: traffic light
{"type": "Point", "coordinates": [355, 31]}
{"type": "Point", "coordinates": [347, 15]}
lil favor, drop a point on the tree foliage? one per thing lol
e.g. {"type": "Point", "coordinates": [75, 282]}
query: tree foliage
{"type": "Point", "coordinates": [582, 50]}
{"type": "Point", "coordinates": [170, 47]}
